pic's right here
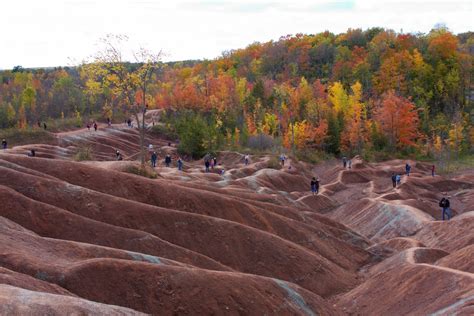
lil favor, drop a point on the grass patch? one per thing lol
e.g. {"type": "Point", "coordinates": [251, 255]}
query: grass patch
{"type": "Point", "coordinates": [26, 136]}
{"type": "Point", "coordinates": [274, 163]}
{"type": "Point", "coordinates": [462, 163]}
{"type": "Point", "coordinates": [84, 153]}
{"type": "Point", "coordinates": [312, 156]}
{"type": "Point", "coordinates": [146, 171]}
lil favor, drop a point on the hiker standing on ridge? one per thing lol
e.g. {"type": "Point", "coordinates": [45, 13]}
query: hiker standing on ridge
{"type": "Point", "coordinates": [344, 162]}
{"type": "Point", "coordinates": [207, 157]}
{"type": "Point", "coordinates": [394, 180]}
{"type": "Point", "coordinates": [154, 157]}
{"type": "Point", "coordinates": [315, 186]}
{"type": "Point", "coordinates": [180, 164]}
{"type": "Point", "coordinates": [444, 204]}
{"type": "Point", "coordinates": [282, 159]}
{"type": "Point", "coordinates": [4, 143]}
{"type": "Point", "coordinates": [433, 170]}
{"type": "Point", "coordinates": [407, 169]}
{"type": "Point", "coordinates": [167, 160]}
{"type": "Point", "coordinates": [246, 159]}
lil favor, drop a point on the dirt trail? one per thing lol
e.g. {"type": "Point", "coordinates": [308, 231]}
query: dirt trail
{"type": "Point", "coordinates": [82, 235]}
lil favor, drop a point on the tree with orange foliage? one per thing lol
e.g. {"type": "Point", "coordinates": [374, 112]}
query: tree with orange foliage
{"type": "Point", "coordinates": [398, 120]}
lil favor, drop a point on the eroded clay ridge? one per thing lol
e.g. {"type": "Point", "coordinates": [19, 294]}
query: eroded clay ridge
{"type": "Point", "coordinates": [92, 238]}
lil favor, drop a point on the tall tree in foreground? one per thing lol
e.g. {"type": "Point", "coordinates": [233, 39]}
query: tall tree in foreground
{"type": "Point", "coordinates": [128, 82]}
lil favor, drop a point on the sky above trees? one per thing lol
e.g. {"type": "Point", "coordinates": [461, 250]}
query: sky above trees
{"type": "Point", "coordinates": [62, 32]}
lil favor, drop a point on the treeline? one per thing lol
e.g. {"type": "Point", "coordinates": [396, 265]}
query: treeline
{"type": "Point", "coordinates": [356, 92]}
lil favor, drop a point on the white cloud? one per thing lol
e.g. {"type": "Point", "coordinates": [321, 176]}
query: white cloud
{"type": "Point", "coordinates": [47, 33]}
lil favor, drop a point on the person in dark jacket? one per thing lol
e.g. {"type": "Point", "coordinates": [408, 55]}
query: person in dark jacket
{"type": "Point", "coordinates": [4, 143]}
{"type": "Point", "coordinates": [167, 160]}
{"type": "Point", "coordinates": [95, 126]}
{"type": "Point", "coordinates": [180, 164]}
{"type": "Point", "coordinates": [445, 204]}
{"type": "Point", "coordinates": [315, 185]}
{"type": "Point", "coordinates": [407, 169]}
{"type": "Point", "coordinates": [154, 157]}
{"type": "Point", "coordinates": [394, 179]}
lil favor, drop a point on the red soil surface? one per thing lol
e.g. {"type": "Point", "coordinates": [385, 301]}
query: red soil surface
{"type": "Point", "coordinates": [89, 237]}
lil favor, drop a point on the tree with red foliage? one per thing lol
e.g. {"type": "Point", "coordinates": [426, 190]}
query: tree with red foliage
{"type": "Point", "coordinates": [398, 120]}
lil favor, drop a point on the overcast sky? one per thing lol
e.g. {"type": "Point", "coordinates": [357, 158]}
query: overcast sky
{"type": "Point", "coordinates": [37, 33]}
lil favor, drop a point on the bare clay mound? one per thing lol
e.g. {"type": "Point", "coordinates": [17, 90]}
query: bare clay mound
{"type": "Point", "coordinates": [126, 278]}
{"type": "Point", "coordinates": [19, 301]}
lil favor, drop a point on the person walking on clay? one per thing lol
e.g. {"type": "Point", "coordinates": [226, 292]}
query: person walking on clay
{"type": "Point", "coordinates": [95, 126]}
{"type": "Point", "coordinates": [282, 159]}
{"type": "Point", "coordinates": [398, 178]}
{"type": "Point", "coordinates": [246, 159]}
{"type": "Point", "coordinates": [180, 164]}
{"type": "Point", "coordinates": [433, 170]}
{"type": "Point", "coordinates": [88, 127]}
{"type": "Point", "coordinates": [445, 204]}
{"type": "Point", "coordinates": [394, 180]}
{"type": "Point", "coordinates": [4, 143]}
{"type": "Point", "coordinates": [349, 163]}
{"type": "Point", "coordinates": [117, 155]}
{"type": "Point", "coordinates": [154, 157]}
{"type": "Point", "coordinates": [167, 160]}
{"type": "Point", "coordinates": [214, 160]}
{"type": "Point", "coordinates": [314, 186]}
{"type": "Point", "coordinates": [407, 169]}
{"type": "Point", "coordinates": [344, 162]}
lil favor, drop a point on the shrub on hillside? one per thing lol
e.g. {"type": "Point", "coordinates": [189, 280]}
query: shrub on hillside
{"type": "Point", "coordinates": [84, 153]}
{"type": "Point", "coordinates": [142, 171]}
{"type": "Point", "coordinates": [274, 163]}
{"type": "Point", "coordinates": [311, 155]}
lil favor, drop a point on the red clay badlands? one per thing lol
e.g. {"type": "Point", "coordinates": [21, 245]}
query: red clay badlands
{"type": "Point", "coordinates": [91, 238]}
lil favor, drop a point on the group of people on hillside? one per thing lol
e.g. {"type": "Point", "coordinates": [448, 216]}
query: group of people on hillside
{"type": "Point", "coordinates": [210, 162]}
{"type": "Point", "coordinates": [42, 124]}
{"type": "Point", "coordinates": [168, 160]}
{"type": "Point", "coordinates": [94, 125]}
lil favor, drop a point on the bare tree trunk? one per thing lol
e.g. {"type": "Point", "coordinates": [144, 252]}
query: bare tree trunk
{"type": "Point", "coordinates": [142, 139]}
{"type": "Point", "coordinates": [141, 130]}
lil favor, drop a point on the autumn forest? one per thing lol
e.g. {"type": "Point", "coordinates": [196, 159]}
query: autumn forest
{"type": "Point", "coordinates": [359, 92]}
